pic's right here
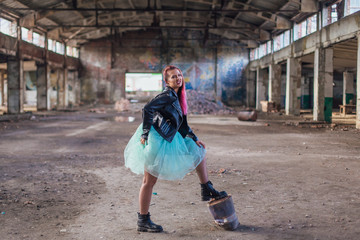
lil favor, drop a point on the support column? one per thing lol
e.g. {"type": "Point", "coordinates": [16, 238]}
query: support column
{"type": "Point", "coordinates": [323, 84]}
{"type": "Point", "coordinates": [260, 88]}
{"type": "Point", "coordinates": [293, 86]}
{"type": "Point", "coordinates": [66, 88]}
{"type": "Point", "coordinates": [250, 88]}
{"type": "Point", "coordinates": [348, 87]}
{"type": "Point", "coordinates": [61, 90]}
{"type": "Point", "coordinates": [329, 84]}
{"type": "Point", "coordinates": [49, 90]}
{"type": "Point", "coordinates": [2, 92]}
{"type": "Point", "coordinates": [78, 88]}
{"type": "Point", "coordinates": [358, 85]}
{"type": "Point", "coordinates": [275, 83]}
{"type": "Point", "coordinates": [15, 85]}
{"type": "Point", "coordinates": [42, 85]}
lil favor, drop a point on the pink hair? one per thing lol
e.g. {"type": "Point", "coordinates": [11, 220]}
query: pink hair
{"type": "Point", "coordinates": [182, 90]}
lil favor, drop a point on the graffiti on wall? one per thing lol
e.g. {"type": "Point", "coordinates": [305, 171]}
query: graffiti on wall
{"type": "Point", "coordinates": [150, 59]}
{"type": "Point", "coordinates": [198, 67]}
{"type": "Point", "coordinates": [200, 76]}
{"type": "Point", "coordinates": [231, 72]}
{"type": "Point", "coordinates": [206, 65]}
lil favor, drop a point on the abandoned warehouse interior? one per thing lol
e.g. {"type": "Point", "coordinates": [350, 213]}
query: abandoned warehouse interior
{"type": "Point", "coordinates": [74, 76]}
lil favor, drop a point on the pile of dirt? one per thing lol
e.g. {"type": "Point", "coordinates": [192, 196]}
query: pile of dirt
{"type": "Point", "coordinates": [205, 103]}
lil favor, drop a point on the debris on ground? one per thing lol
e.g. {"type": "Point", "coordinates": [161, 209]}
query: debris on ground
{"type": "Point", "coordinates": [122, 105]}
{"type": "Point", "coordinates": [29, 203]}
{"type": "Point", "coordinates": [225, 171]}
{"type": "Point", "coordinates": [307, 124]}
{"type": "Point", "coordinates": [270, 106]}
{"type": "Point", "coordinates": [97, 110]}
{"type": "Point", "coordinates": [205, 103]}
{"type": "Point", "coordinates": [124, 119]}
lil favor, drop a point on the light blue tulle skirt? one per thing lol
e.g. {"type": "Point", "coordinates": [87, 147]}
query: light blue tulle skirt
{"type": "Point", "coordinates": [164, 160]}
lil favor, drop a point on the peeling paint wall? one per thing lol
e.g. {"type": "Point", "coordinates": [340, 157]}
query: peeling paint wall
{"type": "Point", "coordinates": [231, 72]}
{"type": "Point", "coordinates": [207, 66]}
{"type": "Point", "coordinates": [96, 62]}
{"type": "Point", "coordinates": [73, 89]}
{"type": "Point", "coordinates": [53, 89]}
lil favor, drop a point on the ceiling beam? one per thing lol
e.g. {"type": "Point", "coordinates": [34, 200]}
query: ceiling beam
{"type": "Point", "coordinates": [284, 21]}
{"type": "Point", "coordinates": [257, 10]}
{"type": "Point", "coordinates": [144, 26]}
{"type": "Point", "coordinates": [170, 38]}
{"type": "Point", "coordinates": [255, 28]}
{"type": "Point", "coordinates": [309, 5]}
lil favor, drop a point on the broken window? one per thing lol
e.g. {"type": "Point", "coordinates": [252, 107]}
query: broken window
{"type": "Point", "coordinates": [143, 82]}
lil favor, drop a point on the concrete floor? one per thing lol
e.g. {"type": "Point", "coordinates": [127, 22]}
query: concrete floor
{"type": "Point", "coordinates": [62, 177]}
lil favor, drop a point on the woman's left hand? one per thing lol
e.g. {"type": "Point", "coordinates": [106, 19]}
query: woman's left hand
{"type": "Point", "coordinates": [200, 144]}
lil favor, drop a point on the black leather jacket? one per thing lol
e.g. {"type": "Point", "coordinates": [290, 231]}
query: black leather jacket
{"type": "Point", "coordinates": [164, 113]}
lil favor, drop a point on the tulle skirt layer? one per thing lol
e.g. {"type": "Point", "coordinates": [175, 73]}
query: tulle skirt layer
{"type": "Point", "coordinates": [164, 160]}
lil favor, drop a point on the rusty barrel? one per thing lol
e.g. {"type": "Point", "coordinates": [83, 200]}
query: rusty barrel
{"type": "Point", "coordinates": [247, 115]}
{"type": "Point", "coordinates": [224, 213]}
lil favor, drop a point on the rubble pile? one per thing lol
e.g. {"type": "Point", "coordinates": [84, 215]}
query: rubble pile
{"type": "Point", "coordinates": [122, 105]}
{"type": "Point", "coordinates": [205, 103]}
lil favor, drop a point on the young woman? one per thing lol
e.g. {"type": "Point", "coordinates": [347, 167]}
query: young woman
{"type": "Point", "coordinates": [165, 147]}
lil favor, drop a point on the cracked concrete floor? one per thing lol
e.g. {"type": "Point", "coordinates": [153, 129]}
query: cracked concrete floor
{"type": "Point", "coordinates": [62, 177]}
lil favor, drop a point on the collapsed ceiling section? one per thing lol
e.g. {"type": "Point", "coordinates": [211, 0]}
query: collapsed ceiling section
{"type": "Point", "coordinates": [78, 21]}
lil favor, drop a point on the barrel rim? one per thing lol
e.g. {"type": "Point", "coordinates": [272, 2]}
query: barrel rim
{"type": "Point", "coordinates": [213, 201]}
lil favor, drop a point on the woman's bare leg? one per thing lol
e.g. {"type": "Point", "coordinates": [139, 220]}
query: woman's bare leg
{"type": "Point", "coordinates": [201, 171]}
{"type": "Point", "coordinates": [207, 190]}
{"type": "Point", "coordinates": [146, 192]}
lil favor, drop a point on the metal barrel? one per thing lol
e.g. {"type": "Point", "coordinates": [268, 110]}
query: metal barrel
{"type": "Point", "coordinates": [247, 116]}
{"type": "Point", "coordinates": [224, 213]}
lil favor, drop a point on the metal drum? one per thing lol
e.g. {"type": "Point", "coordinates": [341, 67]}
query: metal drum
{"type": "Point", "coordinates": [247, 115]}
{"type": "Point", "coordinates": [224, 213]}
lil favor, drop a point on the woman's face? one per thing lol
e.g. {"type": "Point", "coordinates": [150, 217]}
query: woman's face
{"type": "Point", "coordinates": [174, 79]}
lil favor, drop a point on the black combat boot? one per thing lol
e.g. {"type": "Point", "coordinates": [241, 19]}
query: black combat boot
{"type": "Point", "coordinates": [146, 225]}
{"type": "Point", "coordinates": [208, 191]}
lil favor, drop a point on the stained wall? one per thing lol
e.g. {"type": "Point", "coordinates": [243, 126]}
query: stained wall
{"type": "Point", "coordinates": [208, 66]}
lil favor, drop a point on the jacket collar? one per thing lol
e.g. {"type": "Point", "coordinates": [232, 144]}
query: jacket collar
{"type": "Point", "coordinates": [176, 104]}
{"type": "Point", "coordinates": [167, 88]}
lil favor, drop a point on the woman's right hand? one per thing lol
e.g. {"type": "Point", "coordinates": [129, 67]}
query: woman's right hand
{"type": "Point", "coordinates": [143, 141]}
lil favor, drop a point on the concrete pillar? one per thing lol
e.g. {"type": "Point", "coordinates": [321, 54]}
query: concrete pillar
{"type": "Point", "coordinates": [329, 84]}
{"type": "Point", "coordinates": [117, 80]}
{"type": "Point", "coordinates": [260, 88]}
{"type": "Point", "coordinates": [2, 91]}
{"type": "Point", "coordinates": [250, 88]}
{"type": "Point", "coordinates": [293, 86]}
{"type": "Point", "coordinates": [275, 83]}
{"type": "Point", "coordinates": [60, 89]}
{"type": "Point", "coordinates": [66, 88]}
{"type": "Point", "coordinates": [323, 84]}
{"type": "Point", "coordinates": [15, 85]}
{"type": "Point", "coordinates": [41, 86]}
{"type": "Point", "coordinates": [358, 85]}
{"type": "Point", "coordinates": [77, 87]}
{"type": "Point", "coordinates": [348, 87]}
{"type": "Point", "coordinates": [49, 90]}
